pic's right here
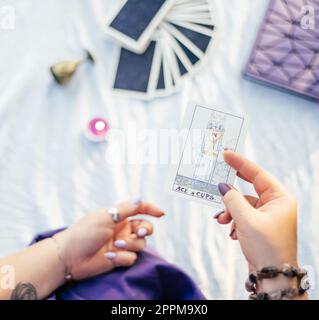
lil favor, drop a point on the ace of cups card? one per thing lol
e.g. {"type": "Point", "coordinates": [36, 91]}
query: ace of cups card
{"type": "Point", "coordinates": [207, 132]}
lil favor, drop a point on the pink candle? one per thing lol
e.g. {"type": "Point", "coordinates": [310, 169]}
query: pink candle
{"type": "Point", "coordinates": [97, 129]}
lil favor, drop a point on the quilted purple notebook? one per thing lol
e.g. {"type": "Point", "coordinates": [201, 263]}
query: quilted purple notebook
{"type": "Point", "coordinates": [286, 51]}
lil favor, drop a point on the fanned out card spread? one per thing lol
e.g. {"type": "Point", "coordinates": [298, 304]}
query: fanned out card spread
{"type": "Point", "coordinates": [176, 35]}
{"type": "Point", "coordinates": [286, 52]}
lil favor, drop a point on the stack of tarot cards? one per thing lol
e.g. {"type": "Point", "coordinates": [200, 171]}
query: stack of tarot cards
{"type": "Point", "coordinates": [161, 41]}
{"type": "Point", "coordinates": [286, 52]}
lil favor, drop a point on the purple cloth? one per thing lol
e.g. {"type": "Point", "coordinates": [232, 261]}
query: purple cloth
{"type": "Point", "coordinates": [151, 278]}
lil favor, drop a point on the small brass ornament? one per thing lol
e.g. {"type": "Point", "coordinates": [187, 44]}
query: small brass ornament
{"type": "Point", "coordinates": [63, 71]}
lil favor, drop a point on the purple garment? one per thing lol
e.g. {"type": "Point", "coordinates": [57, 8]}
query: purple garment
{"type": "Point", "coordinates": [151, 278]}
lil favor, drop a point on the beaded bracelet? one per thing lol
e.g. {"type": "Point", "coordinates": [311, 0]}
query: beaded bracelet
{"type": "Point", "coordinates": [278, 294]}
{"type": "Point", "coordinates": [272, 272]}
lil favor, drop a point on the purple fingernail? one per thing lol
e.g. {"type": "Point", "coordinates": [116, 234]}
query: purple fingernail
{"type": "Point", "coordinates": [223, 188]}
{"type": "Point", "coordinates": [216, 216]}
{"type": "Point", "coordinates": [142, 232]}
{"type": "Point", "coordinates": [120, 243]}
{"type": "Point", "coordinates": [110, 255]}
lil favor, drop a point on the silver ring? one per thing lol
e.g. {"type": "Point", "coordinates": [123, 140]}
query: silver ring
{"type": "Point", "coordinates": [115, 215]}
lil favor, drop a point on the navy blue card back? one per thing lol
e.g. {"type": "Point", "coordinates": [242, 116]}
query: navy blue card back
{"type": "Point", "coordinates": [161, 81]}
{"type": "Point", "coordinates": [135, 16]}
{"type": "Point", "coordinates": [182, 69]}
{"type": "Point", "coordinates": [190, 55]}
{"type": "Point", "coordinates": [133, 71]}
{"type": "Point", "coordinates": [200, 40]}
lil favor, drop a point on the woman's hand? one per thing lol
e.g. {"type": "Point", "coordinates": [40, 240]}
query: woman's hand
{"type": "Point", "coordinates": [92, 246]}
{"type": "Point", "coordinates": [266, 226]}
{"type": "Point", "coordinates": [96, 244]}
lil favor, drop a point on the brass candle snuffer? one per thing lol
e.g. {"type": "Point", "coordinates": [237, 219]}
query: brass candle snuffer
{"type": "Point", "coordinates": [64, 71]}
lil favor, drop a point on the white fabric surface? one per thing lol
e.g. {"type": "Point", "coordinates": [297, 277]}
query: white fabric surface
{"type": "Point", "coordinates": [50, 175]}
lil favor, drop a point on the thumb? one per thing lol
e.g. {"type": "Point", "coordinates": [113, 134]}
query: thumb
{"type": "Point", "coordinates": [236, 204]}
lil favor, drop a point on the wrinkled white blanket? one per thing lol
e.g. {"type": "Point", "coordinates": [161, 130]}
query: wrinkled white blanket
{"type": "Point", "coordinates": [50, 175]}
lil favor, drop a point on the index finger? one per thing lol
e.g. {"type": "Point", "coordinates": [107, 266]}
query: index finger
{"type": "Point", "coordinates": [264, 183]}
{"type": "Point", "coordinates": [128, 209]}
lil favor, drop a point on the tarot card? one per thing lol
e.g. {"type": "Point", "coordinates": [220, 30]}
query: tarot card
{"type": "Point", "coordinates": [201, 167]}
{"type": "Point", "coordinates": [170, 57]}
{"type": "Point", "coordinates": [185, 59]}
{"type": "Point", "coordinates": [161, 82]}
{"type": "Point", "coordinates": [205, 30]}
{"type": "Point", "coordinates": [168, 76]}
{"type": "Point", "coordinates": [188, 3]}
{"type": "Point", "coordinates": [156, 86]}
{"type": "Point", "coordinates": [176, 48]}
{"type": "Point", "coordinates": [193, 39]}
{"type": "Point", "coordinates": [191, 43]}
{"type": "Point", "coordinates": [134, 23]}
{"type": "Point", "coordinates": [133, 72]}
{"type": "Point", "coordinates": [184, 39]}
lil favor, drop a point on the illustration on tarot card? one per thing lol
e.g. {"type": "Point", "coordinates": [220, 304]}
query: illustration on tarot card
{"type": "Point", "coordinates": [199, 178]}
